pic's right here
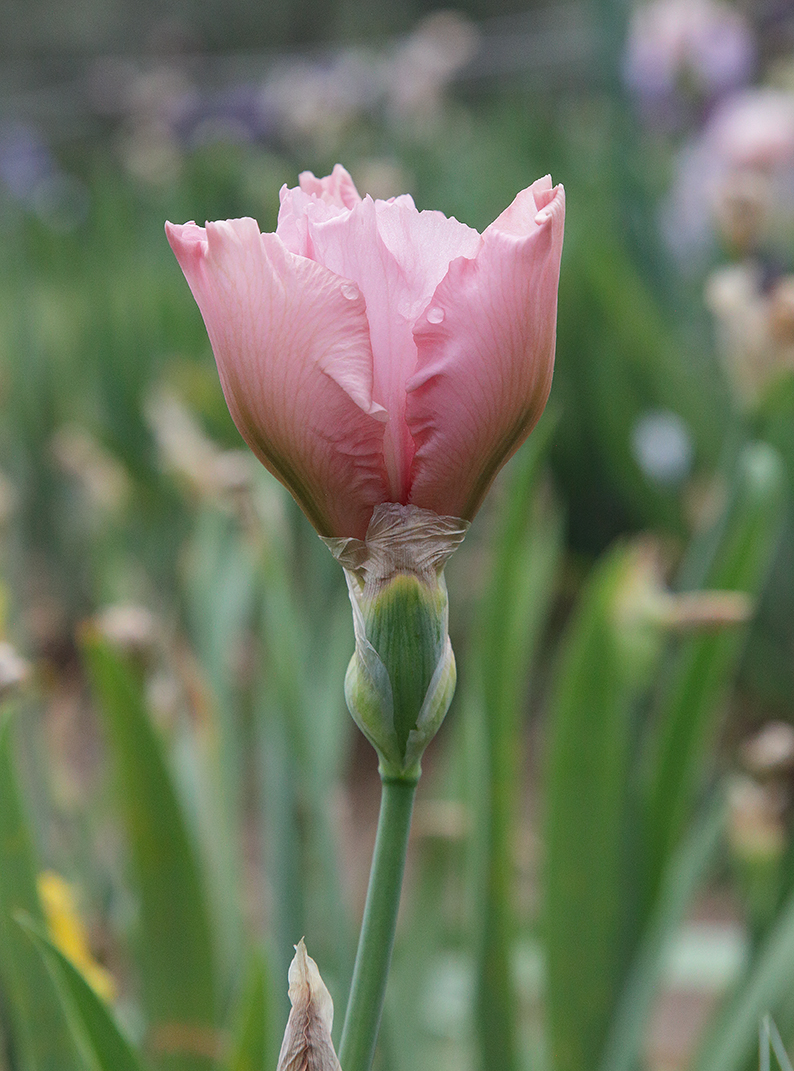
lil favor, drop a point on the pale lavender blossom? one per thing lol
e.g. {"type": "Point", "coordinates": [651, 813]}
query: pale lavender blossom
{"type": "Point", "coordinates": [680, 48]}
{"type": "Point", "coordinates": [746, 148]}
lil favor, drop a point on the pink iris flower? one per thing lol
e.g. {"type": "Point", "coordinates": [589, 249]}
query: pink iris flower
{"type": "Point", "coordinates": [373, 353]}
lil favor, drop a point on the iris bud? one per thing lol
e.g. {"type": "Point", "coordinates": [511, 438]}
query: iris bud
{"type": "Point", "coordinates": [401, 678]}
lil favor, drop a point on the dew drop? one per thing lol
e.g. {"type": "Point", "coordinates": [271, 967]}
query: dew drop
{"type": "Point", "coordinates": [435, 315]}
{"type": "Point", "coordinates": [350, 291]}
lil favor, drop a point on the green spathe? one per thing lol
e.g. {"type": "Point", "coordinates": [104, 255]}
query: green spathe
{"type": "Point", "coordinates": [401, 678]}
{"type": "Point", "coordinates": [405, 625]}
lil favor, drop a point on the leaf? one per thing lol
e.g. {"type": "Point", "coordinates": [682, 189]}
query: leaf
{"type": "Point", "coordinates": [36, 1024]}
{"type": "Point", "coordinates": [514, 609]}
{"type": "Point", "coordinates": [698, 678]}
{"type": "Point", "coordinates": [733, 1036]}
{"type": "Point", "coordinates": [253, 1040]}
{"type": "Point", "coordinates": [769, 1038]}
{"type": "Point", "coordinates": [302, 730]}
{"type": "Point", "coordinates": [587, 771]}
{"type": "Point", "coordinates": [686, 871]}
{"type": "Point", "coordinates": [175, 941]}
{"type": "Point", "coordinates": [219, 584]}
{"type": "Point", "coordinates": [95, 1032]}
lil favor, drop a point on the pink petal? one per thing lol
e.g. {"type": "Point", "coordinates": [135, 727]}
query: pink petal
{"type": "Point", "coordinates": [397, 256]}
{"type": "Point", "coordinates": [486, 355]}
{"type": "Point", "coordinates": [331, 196]}
{"type": "Point", "coordinates": [423, 244]}
{"type": "Point", "coordinates": [293, 219]}
{"type": "Point", "coordinates": [337, 188]}
{"type": "Point", "coordinates": [291, 341]}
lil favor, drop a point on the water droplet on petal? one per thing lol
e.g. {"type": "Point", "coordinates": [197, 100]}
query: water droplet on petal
{"type": "Point", "coordinates": [350, 291]}
{"type": "Point", "coordinates": [435, 315]}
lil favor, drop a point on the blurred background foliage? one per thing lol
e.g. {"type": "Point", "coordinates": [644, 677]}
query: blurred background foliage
{"type": "Point", "coordinates": [602, 870]}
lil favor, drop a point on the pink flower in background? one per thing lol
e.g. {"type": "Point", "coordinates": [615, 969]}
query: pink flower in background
{"type": "Point", "coordinates": [373, 353]}
{"type": "Point", "coordinates": [754, 129]}
{"type": "Point", "coordinates": [744, 152]}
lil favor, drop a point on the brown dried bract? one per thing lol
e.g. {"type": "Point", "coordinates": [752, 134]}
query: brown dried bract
{"type": "Point", "coordinates": [307, 1044]}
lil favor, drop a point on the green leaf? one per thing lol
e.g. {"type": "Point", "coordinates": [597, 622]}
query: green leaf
{"type": "Point", "coordinates": [36, 1024]}
{"type": "Point", "coordinates": [515, 606]}
{"type": "Point", "coordinates": [302, 730]}
{"type": "Point", "coordinates": [588, 896]}
{"type": "Point", "coordinates": [692, 700]}
{"type": "Point", "coordinates": [95, 1032]}
{"type": "Point", "coordinates": [686, 872]}
{"type": "Point", "coordinates": [730, 1042]}
{"type": "Point", "coordinates": [770, 1039]}
{"type": "Point", "coordinates": [519, 590]}
{"type": "Point", "coordinates": [175, 940]}
{"type": "Point", "coordinates": [220, 588]}
{"type": "Point", "coordinates": [254, 1046]}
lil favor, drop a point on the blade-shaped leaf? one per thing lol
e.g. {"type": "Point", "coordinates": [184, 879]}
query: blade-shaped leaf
{"type": "Point", "coordinates": [302, 731]}
{"type": "Point", "coordinates": [254, 1043]}
{"type": "Point", "coordinates": [733, 1036]}
{"type": "Point", "coordinates": [220, 582]}
{"type": "Point", "coordinates": [686, 872]}
{"type": "Point", "coordinates": [514, 611]}
{"type": "Point", "coordinates": [175, 941]}
{"type": "Point", "coordinates": [770, 1039]}
{"type": "Point", "coordinates": [37, 1026]}
{"type": "Point", "coordinates": [95, 1032]}
{"type": "Point", "coordinates": [692, 700]}
{"type": "Point", "coordinates": [588, 894]}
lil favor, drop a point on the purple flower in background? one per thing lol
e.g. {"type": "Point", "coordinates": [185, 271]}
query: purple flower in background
{"type": "Point", "coordinates": [316, 100]}
{"type": "Point", "coordinates": [238, 113]}
{"type": "Point", "coordinates": [35, 181]}
{"type": "Point", "coordinates": [422, 67]}
{"type": "Point", "coordinates": [25, 159]}
{"type": "Point", "coordinates": [677, 48]}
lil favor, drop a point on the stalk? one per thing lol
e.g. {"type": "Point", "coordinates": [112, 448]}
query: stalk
{"type": "Point", "coordinates": [373, 957]}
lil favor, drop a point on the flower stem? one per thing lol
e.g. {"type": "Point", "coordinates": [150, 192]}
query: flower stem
{"type": "Point", "coordinates": [364, 1007]}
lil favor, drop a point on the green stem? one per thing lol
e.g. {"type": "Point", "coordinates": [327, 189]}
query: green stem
{"type": "Point", "coordinates": [373, 957]}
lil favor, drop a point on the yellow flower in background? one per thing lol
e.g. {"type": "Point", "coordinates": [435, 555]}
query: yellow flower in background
{"type": "Point", "coordinates": [67, 931]}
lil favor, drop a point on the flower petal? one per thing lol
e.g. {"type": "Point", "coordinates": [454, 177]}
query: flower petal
{"type": "Point", "coordinates": [486, 355]}
{"type": "Point", "coordinates": [331, 196]}
{"type": "Point", "coordinates": [398, 256]}
{"type": "Point", "coordinates": [337, 188]}
{"type": "Point", "coordinates": [423, 244]}
{"type": "Point", "coordinates": [291, 341]}
{"type": "Point", "coordinates": [293, 220]}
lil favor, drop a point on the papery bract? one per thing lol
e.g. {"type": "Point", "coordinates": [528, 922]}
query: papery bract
{"type": "Point", "coordinates": [307, 1044]}
{"type": "Point", "coordinates": [373, 353]}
